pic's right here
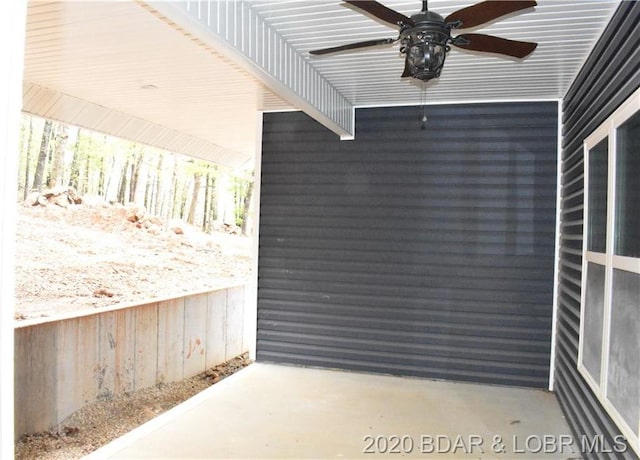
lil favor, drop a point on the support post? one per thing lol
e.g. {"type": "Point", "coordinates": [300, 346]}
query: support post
{"type": "Point", "coordinates": [12, 24]}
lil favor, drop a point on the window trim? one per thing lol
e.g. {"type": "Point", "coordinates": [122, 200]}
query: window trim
{"type": "Point", "coordinates": [608, 260]}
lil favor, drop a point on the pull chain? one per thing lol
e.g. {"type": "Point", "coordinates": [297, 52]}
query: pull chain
{"type": "Point", "coordinates": [423, 115]}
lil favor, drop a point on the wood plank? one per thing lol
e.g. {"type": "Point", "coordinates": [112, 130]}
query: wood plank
{"type": "Point", "coordinates": [35, 378]}
{"type": "Point", "coordinates": [195, 331]}
{"type": "Point", "coordinates": [124, 351]}
{"type": "Point", "coordinates": [216, 327]}
{"type": "Point", "coordinates": [234, 322]}
{"type": "Point", "coordinates": [146, 346]}
{"type": "Point", "coordinates": [77, 360]}
{"type": "Point", "coordinates": [170, 340]}
{"type": "Point", "coordinates": [105, 371]}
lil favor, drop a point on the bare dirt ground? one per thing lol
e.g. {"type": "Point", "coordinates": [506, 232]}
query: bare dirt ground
{"type": "Point", "coordinates": [88, 256]}
{"type": "Point", "coordinates": [96, 424]}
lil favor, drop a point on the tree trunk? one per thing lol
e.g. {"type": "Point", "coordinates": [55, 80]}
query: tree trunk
{"type": "Point", "coordinates": [122, 189]}
{"type": "Point", "coordinates": [57, 161]}
{"type": "Point", "coordinates": [246, 208]}
{"type": "Point", "coordinates": [174, 189]}
{"type": "Point", "coordinates": [159, 202]}
{"type": "Point", "coordinates": [213, 202]}
{"type": "Point", "coordinates": [52, 147]}
{"type": "Point", "coordinates": [205, 213]}
{"type": "Point", "coordinates": [184, 193]}
{"type": "Point", "coordinates": [87, 174]}
{"type": "Point", "coordinates": [195, 196]}
{"type": "Point", "coordinates": [150, 188]}
{"type": "Point", "coordinates": [165, 184]}
{"type": "Point", "coordinates": [225, 205]}
{"type": "Point", "coordinates": [28, 159]}
{"type": "Point", "coordinates": [135, 177]}
{"type": "Point", "coordinates": [101, 177]}
{"type": "Point", "coordinates": [42, 157]}
{"type": "Point", "coordinates": [74, 177]}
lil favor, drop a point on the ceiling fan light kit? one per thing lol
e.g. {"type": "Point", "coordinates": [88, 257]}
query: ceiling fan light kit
{"type": "Point", "coordinates": [425, 37]}
{"type": "Point", "coordinates": [426, 46]}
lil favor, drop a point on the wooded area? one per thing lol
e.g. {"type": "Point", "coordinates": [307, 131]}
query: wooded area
{"type": "Point", "coordinates": [166, 184]}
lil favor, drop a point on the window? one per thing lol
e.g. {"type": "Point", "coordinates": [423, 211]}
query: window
{"type": "Point", "coordinates": [609, 353]}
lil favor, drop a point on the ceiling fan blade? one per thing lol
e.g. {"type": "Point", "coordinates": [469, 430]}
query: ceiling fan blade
{"type": "Point", "coordinates": [381, 12]}
{"type": "Point", "coordinates": [353, 46]}
{"type": "Point", "coordinates": [491, 44]}
{"type": "Point", "coordinates": [483, 12]}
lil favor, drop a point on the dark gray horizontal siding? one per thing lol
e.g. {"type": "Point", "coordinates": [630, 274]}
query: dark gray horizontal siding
{"type": "Point", "coordinates": [407, 251]}
{"type": "Point", "coordinates": [610, 75]}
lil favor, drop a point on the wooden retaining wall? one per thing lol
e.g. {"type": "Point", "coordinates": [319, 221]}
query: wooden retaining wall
{"type": "Point", "coordinates": [63, 364]}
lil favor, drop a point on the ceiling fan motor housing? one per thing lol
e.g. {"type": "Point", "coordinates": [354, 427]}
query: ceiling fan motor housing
{"type": "Point", "coordinates": [426, 45]}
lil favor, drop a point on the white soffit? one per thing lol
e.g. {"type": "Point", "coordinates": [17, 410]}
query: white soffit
{"type": "Point", "coordinates": [126, 69]}
{"type": "Point", "coordinates": [565, 30]}
{"type": "Point", "coordinates": [240, 33]}
{"type": "Point", "coordinates": [117, 68]}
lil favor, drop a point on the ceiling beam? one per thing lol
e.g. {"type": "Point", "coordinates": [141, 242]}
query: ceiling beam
{"type": "Point", "coordinates": [240, 34]}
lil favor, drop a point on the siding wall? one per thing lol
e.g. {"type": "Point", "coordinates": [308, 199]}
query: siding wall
{"type": "Point", "coordinates": [610, 75]}
{"type": "Point", "coordinates": [407, 251]}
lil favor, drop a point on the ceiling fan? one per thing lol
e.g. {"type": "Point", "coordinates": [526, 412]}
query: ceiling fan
{"type": "Point", "coordinates": [425, 37]}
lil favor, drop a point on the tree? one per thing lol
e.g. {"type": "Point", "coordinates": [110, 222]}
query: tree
{"type": "Point", "coordinates": [28, 159]}
{"type": "Point", "coordinates": [87, 173]}
{"type": "Point", "coordinates": [159, 200]}
{"type": "Point", "coordinates": [167, 184]}
{"type": "Point", "coordinates": [122, 189]}
{"type": "Point", "coordinates": [246, 207]}
{"type": "Point", "coordinates": [207, 200]}
{"type": "Point", "coordinates": [174, 189]}
{"type": "Point", "coordinates": [42, 156]}
{"type": "Point", "coordinates": [57, 162]}
{"type": "Point", "coordinates": [134, 183]}
{"type": "Point", "coordinates": [184, 195]}
{"type": "Point", "coordinates": [225, 205]}
{"type": "Point", "coordinates": [195, 196]}
{"type": "Point", "coordinates": [101, 163]}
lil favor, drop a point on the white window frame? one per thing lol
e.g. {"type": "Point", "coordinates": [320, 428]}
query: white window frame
{"type": "Point", "coordinates": [609, 261]}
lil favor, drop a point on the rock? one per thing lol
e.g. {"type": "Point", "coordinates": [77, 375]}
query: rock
{"type": "Point", "coordinates": [60, 196]}
{"type": "Point", "coordinates": [102, 292]}
{"type": "Point", "coordinates": [74, 198]}
{"type": "Point", "coordinates": [32, 199]}
{"type": "Point", "coordinates": [59, 200]}
{"type": "Point", "coordinates": [71, 431]}
{"type": "Point", "coordinates": [135, 213]}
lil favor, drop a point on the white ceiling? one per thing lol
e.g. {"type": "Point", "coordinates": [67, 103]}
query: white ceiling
{"type": "Point", "coordinates": [116, 67]}
{"type": "Point", "coordinates": [121, 68]}
{"type": "Point", "coordinates": [564, 30]}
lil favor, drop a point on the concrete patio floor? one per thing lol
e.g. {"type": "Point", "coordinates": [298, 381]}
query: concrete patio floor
{"type": "Point", "coordinates": [274, 411]}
